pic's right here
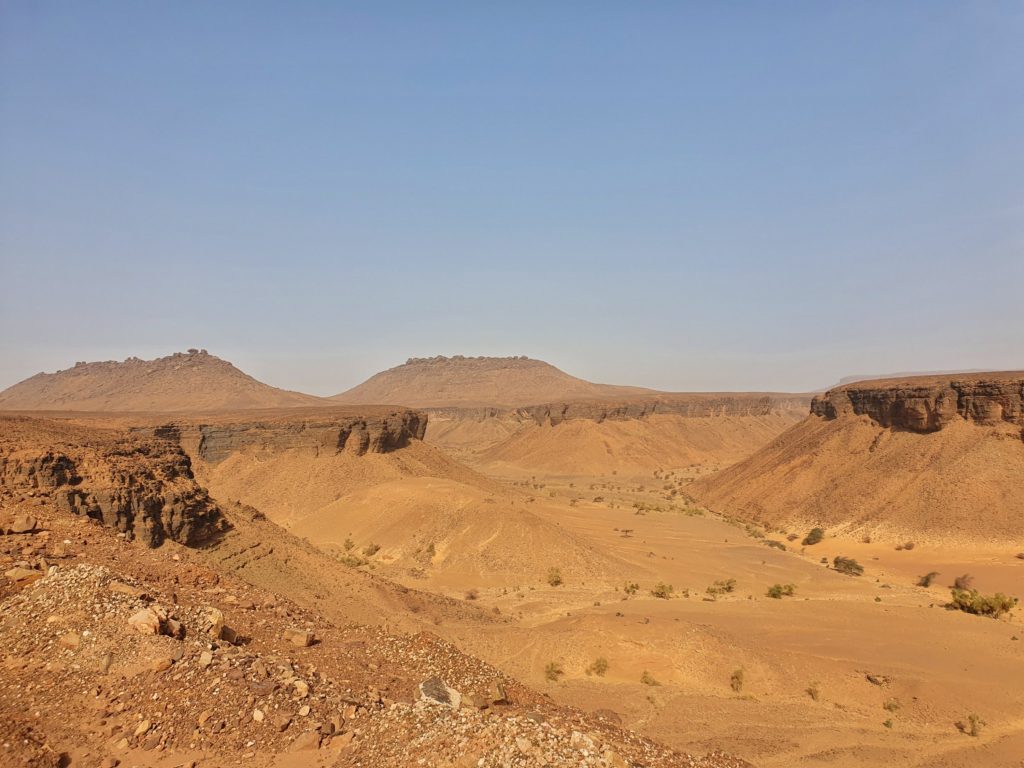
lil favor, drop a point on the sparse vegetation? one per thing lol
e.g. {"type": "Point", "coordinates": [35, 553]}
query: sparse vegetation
{"type": "Point", "coordinates": [736, 680]}
{"type": "Point", "coordinates": [892, 705]}
{"type": "Point", "coordinates": [973, 725]}
{"type": "Point", "coordinates": [648, 679]}
{"type": "Point", "coordinates": [663, 590]}
{"type": "Point", "coordinates": [598, 667]}
{"type": "Point", "coordinates": [472, 594]}
{"type": "Point", "coordinates": [963, 582]}
{"type": "Point", "coordinates": [779, 591]}
{"type": "Point", "coordinates": [813, 691]}
{"type": "Point", "coordinates": [887, 723]}
{"type": "Point", "coordinates": [371, 549]}
{"type": "Point", "coordinates": [554, 577]}
{"type": "Point", "coordinates": [972, 601]}
{"type": "Point", "coordinates": [814, 536]}
{"type": "Point", "coordinates": [927, 579]}
{"type": "Point", "coordinates": [553, 671]}
{"type": "Point", "coordinates": [774, 544]}
{"type": "Point", "coordinates": [348, 545]}
{"type": "Point", "coordinates": [630, 587]}
{"type": "Point", "coordinates": [847, 565]}
{"type": "Point", "coordinates": [721, 587]}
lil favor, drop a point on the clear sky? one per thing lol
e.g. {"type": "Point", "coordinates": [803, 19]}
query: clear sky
{"type": "Point", "coordinates": [689, 196]}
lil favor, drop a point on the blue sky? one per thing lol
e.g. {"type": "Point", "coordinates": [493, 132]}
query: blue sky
{"type": "Point", "coordinates": [690, 196]}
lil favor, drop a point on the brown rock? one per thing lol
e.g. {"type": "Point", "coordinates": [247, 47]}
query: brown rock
{"type": "Point", "coordinates": [19, 574]}
{"type": "Point", "coordinates": [72, 641]}
{"type": "Point", "coordinates": [300, 637]}
{"type": "Point", "coordinates": [23, 524]}
{"type": "Point", "coordinates": [306, 741]}
{"type": "Point", "coordinates": [145, 622]}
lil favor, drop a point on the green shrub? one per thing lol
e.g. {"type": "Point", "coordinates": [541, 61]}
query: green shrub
{"type": "Point", "coordinates": [553, 671]}
{"type": "Point", "coordinates": [847, 565]}
{"type": "Point", "coordinates": [648, 679]}
{"type": "Point", "coordinates": [972, 601]}
{"type": "Point", "coordinates": [779, 591]}
{"type": "Point", "coordinates": [554, 577]}
{"type": "Point", "coordinates": [722, 587]}
{"type": "Point", "coordinates": [813, 537]}
{"type": "Point", "coordinates": [973, 725]}
{"type": "Point", "coordinates": [663, 590]}
{"type": "Point", "coordinates": [736, 680]}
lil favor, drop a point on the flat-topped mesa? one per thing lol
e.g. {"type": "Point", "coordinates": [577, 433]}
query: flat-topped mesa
{"type": "Point", "coordinates": [319, 432]}
{"type": "Point", "coordinates": [929, 403]}
{"type": "Point", "coordinates": [143, 488]}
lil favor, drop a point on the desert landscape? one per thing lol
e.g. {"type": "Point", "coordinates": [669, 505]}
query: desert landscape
{"type": "Point", "coordinates": [614, 576]}
{"type": "Point", "coordinates": [511, 385]}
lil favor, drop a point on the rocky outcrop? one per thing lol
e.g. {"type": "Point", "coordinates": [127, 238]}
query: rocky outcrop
{"type": "Point", "coordinates": [688, 405]}
{"type": "Point", "coordinates": [318, 433]}
{"type": "Point", "coordinates": [928, 404]}
{"type": "Point", "coordinates": [143, 488]}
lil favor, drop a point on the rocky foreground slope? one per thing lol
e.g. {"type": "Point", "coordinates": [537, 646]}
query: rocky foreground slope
{"type": "Point", "coordinates": [458, 381]}
{"type": "Point", "coordinates": [930, 458]}
{"type": "Point", "coordinates": [113, 654]}
{"type": "Point", "coordinates": [185, 381]}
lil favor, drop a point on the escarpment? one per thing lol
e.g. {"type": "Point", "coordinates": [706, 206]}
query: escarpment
{"type": "Point", "coordinates": [142, 487]}
{"type": "Point", "coordinates": [929, 404]}
{"type": "Point", "coordinates": [320, 432]}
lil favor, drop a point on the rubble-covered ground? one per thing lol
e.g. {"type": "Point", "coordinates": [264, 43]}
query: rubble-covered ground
{"type": "Point", "coordinates": [112, 654]}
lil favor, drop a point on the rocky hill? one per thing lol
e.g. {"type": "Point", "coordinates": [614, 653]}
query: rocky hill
{"type": "Point", "coordinates": [185, 381]}
{"type": "Point", "coordinates": [937, 457]}
{"type": "Point", "coordinates": [458, 381]}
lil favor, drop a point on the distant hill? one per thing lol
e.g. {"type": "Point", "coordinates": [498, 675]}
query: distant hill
{"type": "Point", "coordinates": [900, 375]}
{"type": "Point", "coordinates": [185, 381]}
{"type": "Point", "coordinates": [510, 382]}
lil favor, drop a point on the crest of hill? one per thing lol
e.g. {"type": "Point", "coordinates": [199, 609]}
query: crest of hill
{"type": "Point", "coordinates": [510, 382]}
{"type": "Point", "coordinates": [185, 381]}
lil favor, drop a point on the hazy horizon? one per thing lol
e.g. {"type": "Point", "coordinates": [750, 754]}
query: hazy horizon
{"type": "Point", "coordinates": [705, 198]}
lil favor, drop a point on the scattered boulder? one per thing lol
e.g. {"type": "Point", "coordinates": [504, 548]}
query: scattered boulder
{"type": "Point", "coordinates": [22, 524]}
{"type": "Point", "coordinates": [300, 637]}
{"type": "Point", "coordinates": [22, 574]}
{"type": "Point", "coordinates": [434, 689]}
{"type": "Point", "coordinates": [147, 621]}
{"type": "Point", "coordinates": [72, 641]}
{"type": "Point", "coordinates": [306, 741]}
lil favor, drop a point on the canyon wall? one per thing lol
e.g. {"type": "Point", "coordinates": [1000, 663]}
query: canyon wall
{"type": "Point", "coordinates": [318, 433]}
{"type": "Point", "coordinates": [929, 404]}
{"type": "Point", "coordinates": [143, 488]}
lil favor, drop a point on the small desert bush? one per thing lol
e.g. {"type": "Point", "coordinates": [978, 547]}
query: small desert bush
{"type": "Point", "coordinates": [348, 545]}
{"type": "Point", "coordinates": [813, 537]}
{"type": "Point", "coordinates": [721, 587]}
{"type": "Point", "coordinates": [963, 582]}
{"type": "Point", "coordinates": [779, 591]}
{"type": "Point", "coordinates": [972, 601]}
{"type": "Point", "coordinates": [888, 723]}
{"type": "Point", "coordinates": [553, 671]}
{"type": "Point", "coordinates": [892, 705]}
{"type": "Point", "coordinates": [813, 691]}
{"type": "Point", "coordinates": [472, 594]}
{"type": "Point", "coordinates": [973, 725]}
{"type": "Point", "coordinates": [630, 587]}
{"type": "Point", "coordinates": [554, 577]}
{"type": "Point", "coordinates": [648, 679]}
{"type": "Point", "coordinates": [371, 549]}
{"type": "Point", "coordinates": [736, 680]}
{"type": "Point", "coordinates": [927, 579]}
{"type": "Point", "coordinates": [847, 565]}
{"type": "Point", "coordinates": [775, 544]}
{"type": "Point", "coordinates": [598, 667]}
{"type": "Point", "coordinates": [663, 590]}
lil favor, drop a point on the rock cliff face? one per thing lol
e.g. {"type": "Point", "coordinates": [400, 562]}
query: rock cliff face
{"type": "Point", "coordinates": [695, 405]}
{"type": "Point", "coordinates": [928, 404]}
{"type": "Point", "coordinates": [143, 488]}
{"type": "Point", "coordinates": [327, 431]}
